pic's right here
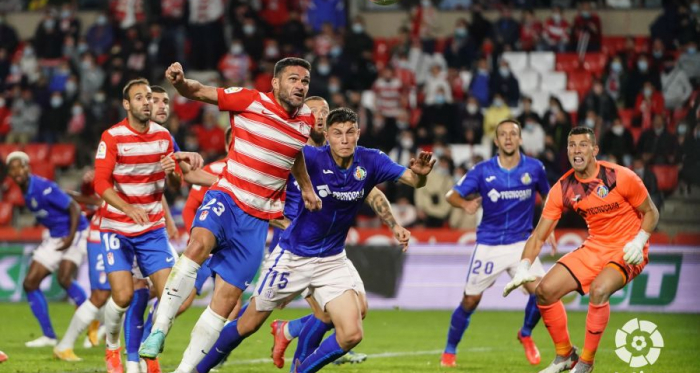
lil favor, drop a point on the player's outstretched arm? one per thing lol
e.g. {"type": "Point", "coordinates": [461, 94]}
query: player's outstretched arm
{"type": "Point", "coordinates": [377, 200]}
{"type": "Point", "coordinates": [189, 88]}
{"type": "Point", "coordinates": [468, 205]}
{"type": "Point", "coordinates": [85, 200]}
{"type": "Point", "coordinates": [311, 200]}
{"type": "Point", "coordinates": [634, 250]}
{"type": "Point", "coordinates": [417, 173]}
{"type": "Point", "coordinates": [533, 246]}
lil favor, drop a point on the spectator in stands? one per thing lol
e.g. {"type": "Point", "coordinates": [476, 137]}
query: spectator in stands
{"type": "Point", "coordinates": [460, 49]}
{"type": "Point", "coordinates": [533, 136]}
{"type": "Point", "coordinates": [320, 75]}
{"type": "Point", "coordinates": [675, 85]}
{"type": "Point", "coordinates": [405, 149]}
{"type": "Point", "coordinates": [600, 102]}
{"type": "Point", "coordinates": [253, 38]}
{"type": "Point", "coordinates": [68, 24]}
{"type": "Point", "coordinates": [48, 39]}
{"type": "Point", "coordinates": [294, 32]}
{"type": "Point", "coordinates": [387, 90]}
{"type": "Point", "coordinates": [209, 135]}
{"type": "Point", "coordinates": [690, 171]}
{"type": "Point", "coordinates": [472, 122]}
{"type": "Point", "coordinates": [527, 111]}
{"type": "Point", "coordinates": [557, 123]}
{"type": "Point", "coordinates": [497, 112]}
{"type": "Point", "coordinates": [551, 159]}
{"type": "Point", "coordinates": [29, 64]}
{"type": "Point", "coordinates": [54, 119]}
{"type": "Point", "coordinates": [506, 30]}
{"type": "Point", "coordinates": [319, 12]}
{"type": "Point", "coordinates": [638, 78]}
{"type": "Point", "coordinates": [206, 31]}
{"type": "Point", "coordinates": [325, 40]}
{"type": "Point", "coordinates": [592, 121]}
{"type": "Point", "coordinates": [648, 177]}
{"type": "Point", "coordinates": [404, 212]}
{"type": "Point", "coordinates": [24, 120]}
{"type": "Point", "coordinates": [658, 54]}
{"type": "Point", "coordinates": [629, 54]}
{"type": "Point", "coordinates": [688, 25]}
{"type": "Point", "coordinates": [433, 208]}
{"type": "Point", "coordinates": [457, 83]}
{"type": "Point", "coordinates": [587, 33]}
{"type": "Point", "coordinates": [618, 142]}
{"type": "Point", "coordinates": [437, 90]}
{"type": "Point", "coordinates": [424, 24]}
{"type": "Point", "coordinates": [357, 40]}
{"type": "Point", "coordinates": [8, 35]}
{"type": "Point", "coordinates": [666, 26]}
{"type": "Point", "coordinates": [100, 36]}
{"type": "Point", "coordinates": [531, 32]}
{"type": "Point", "coordinates": [91, 77]}
{"type": "Point", "coordinates": [656, 145]}
{"type": "Point", "coordinates": [362, 73]}
{"type": "Point", "coordinates": [556, 31]}
{"type": "Point", "coordinates": [235, 64]}
{"type": "Point", "coordinates": [480, 28]}
{"type": "Point", "coordinates": [162, 51]}
{"type": "Point", "coordinates": [616, 81]}
{"type": "Point", "coordinates": [689, 61]}
{"type": "Point", "coordinates": [403, 41]}
{"type": "Point", "coordinates": [650, 102]}
{"type": "Point", "coordinates": [504, 83]}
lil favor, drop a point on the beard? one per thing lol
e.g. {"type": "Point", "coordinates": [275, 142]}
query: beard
{"type": "Point", "coordinates": [143, 118]}
{"type": "Point", "coordinates": [317, 137]}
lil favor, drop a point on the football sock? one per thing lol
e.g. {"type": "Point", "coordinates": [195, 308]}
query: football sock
{"type": "Point", "coordinates": [37, 302]}
{"type": "Point", "coordinates": [83, 316]}
{"type": "Point", "coordinates": [178, 287]}
{"type": "Point", "coordinates": [596, 321]}
{"type": "Point", "coordinates": [228, 340]}
{"type": "Point", "coordinates": [293, 328]}
{"type": "Point", "coordinates": [532, 317]}
{"type": "Point", "coordinates": [204, 335]}
{"type": "Point", "coordinates": [458, 325]}
{"type": "Point", "coordinates": [327, 352]}
{"type": "Point", "coordinates": [76, 293]}
{"type": "Point", "coordinates": [310, 337]}
{"type": "Point", "coordinates": [148, 324]}
{"type": "Point", "coordinates": [554, 318]}
{"type": "Point", "coordinates": [113, 323]}
{"type": "Point", "coordinates": [133, 326]}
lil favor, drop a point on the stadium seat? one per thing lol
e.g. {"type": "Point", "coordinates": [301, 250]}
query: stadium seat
{"type": "Point", "coordinates": [595, 63]}
{"type": "Point", "coordinates": [636, 133]}
{"type": "Point", "coordinates": [13, 194]}
{"type": "Point", "coordinates": [569, 100]}
{"type": "Point", "coordinates": [6, 149]}
{"type": "Point", "coordinates": [540, 101]}
{"type": "Point", "coordinates": [5, 213]}
{"type": "Point", "coordinates": [529, 80]}
{"type": "Point", "coordinates": [579, 81]}
{"type": "Point", "coordinates": [38, 153]}
{"type": "Point", "coordinates": [688, 239]}
{"type": "Point", "coordinates": [517, 61]}
{"type": "Point", "coordinates": [626, 116]}
{"type": "Point", "coordinates": [553, 82]}
{"type": "Point", "coordinates": [63, 155]}
{"type": "Point", "coordinates": [568, 62]}
{"type": "Point", "coordinates": [542, 61]}
{"type": "Point", "coordinates": [667, 177]}
{"type": "Point", "coordinates": [44, 169]}
{"type": "Point", "coordinates": [382, 52]}
{"type": "Point", "coordinates": [613, 44]}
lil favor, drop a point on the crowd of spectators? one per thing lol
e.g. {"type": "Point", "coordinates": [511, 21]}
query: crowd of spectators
{"type": "Point", "coordinates": [64, 84]}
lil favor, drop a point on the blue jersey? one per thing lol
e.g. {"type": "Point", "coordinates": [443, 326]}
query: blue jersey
{"type": "Point", "coordinates": [175, 147]}
{"type": "Point", "coordinates": [292, 203]}
{"type": "Point", "coordinates": [342, 191]}
{"type": "Point", "coordinates": [50, 204]}
{"type": "Point", "coordinates": [508, 198]}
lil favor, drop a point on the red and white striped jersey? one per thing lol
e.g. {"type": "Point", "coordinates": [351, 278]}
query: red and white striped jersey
{"type": "Point", "coordinates": [197, 192]}
{"type": "Point", "coordinates": [388, 96]}
{"type": "Point", "coordinates": [129, 162]}
{"type": "Point", "coordinates": [265, 142]}
{"type": "Point", "coordinates": [94, 231]}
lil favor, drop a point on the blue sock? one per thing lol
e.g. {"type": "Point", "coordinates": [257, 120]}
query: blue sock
{"type": "Point", "coordinates": [76, 293]}
{"type": "Point", "coordinates": [458, 325]}
{"type": "Point", "coordinates": [310, 337]}
{"type": "Point", "coordinates": [532, 317]}
{"type": "Point", "coordinates": [37, 302]}
{"type": "Point", "coordinates": [243, 308]}
{"type": "Point", "coordinates": [148, 324]}
{"type": "Point", "coordinates": [327, 352]}
{"type": "Point", "coordinates": [133, 323]}
{"type": "Point", "coordinates": [294, 326]}
{"type": "Point", "coordinates": [228, 340]}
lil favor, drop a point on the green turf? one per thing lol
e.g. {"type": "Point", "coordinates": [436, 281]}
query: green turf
{"type": "Point", "coordinates": [404, 341]}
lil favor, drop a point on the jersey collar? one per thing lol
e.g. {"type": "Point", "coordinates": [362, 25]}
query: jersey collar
{"type": "Point", "coordinates": [592, 178]}
{"type": "Point", "coordinates": [30, 184]}
{"type": "Point", "coordinates": [132, 129]}
{"type": "Point", "coordinates": [520, 163]}
{"type": "Point", "coordinates": [355, 157]}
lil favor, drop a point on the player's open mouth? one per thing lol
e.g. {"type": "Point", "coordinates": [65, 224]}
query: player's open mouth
{"type": "Point", "coordinates": [578, 161]}
{"type": "Point", "coordinates": [300, 95]}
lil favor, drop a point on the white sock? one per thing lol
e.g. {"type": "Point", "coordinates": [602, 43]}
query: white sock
{"type": "Point", "coordinates": [113, 323]}
{"type": "Point", "coordinates": [133, 367]}
{"type": "Point", "coordinates": [178, 287]}
{"type": "Point", "coordinates": [82, 318]}
{"type": "Point", "coordinates": [287, 334]}
{"type": "Point", "coordinates": [204, 335]}
{"type": "Point", "coordinates": [101, 315]}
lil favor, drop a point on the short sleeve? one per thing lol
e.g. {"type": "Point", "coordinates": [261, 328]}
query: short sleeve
{"type": "Point", "coordinates": [385, 168]}
{"type": "Point", "coordinates": [57, 197]}
{"type": "Point", "coordinates": [542, 182]}
{"type": "Point", "coordinates": [631, 187]}
{"type": "Point", "coordinates": [105, 160]}
{"type": "Point", "coordinates": [469, 183]}
{"type": "Point", "coordinates": [235, 98]}
{"type": "Point", "coordinates": [554, 205]}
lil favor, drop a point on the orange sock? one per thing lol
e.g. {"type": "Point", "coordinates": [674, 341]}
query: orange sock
{"type": "Point", "coordinates": [554, 318]}
{"type": "Point", "coordinates": [596, 321]}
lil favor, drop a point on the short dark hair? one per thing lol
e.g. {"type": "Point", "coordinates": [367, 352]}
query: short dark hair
{"type": "Point", "coordinates": [290, 61]}
{"type": "Point", "coordinates": [158, 89]}
{"type": "Point", "coordinates": [510, 120]}
{"type": "Point", "coordinates": [340, 115]}
{"type": "Point", "coordinates": [314, 98]}
{"type": "Point", "coordinates": [583, 130]}
{"type": "Point", "coordinates": [131, 83]}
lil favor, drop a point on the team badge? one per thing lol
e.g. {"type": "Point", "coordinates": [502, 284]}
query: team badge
{"type": "Point", "coordinates": [203, 215]}
{"type": "Point", "coordinates": [601, 191]}
{"type": "Point", "coordinates": [360, 173]}
{"type": "Point", "coordinates": [230, 90]}
{"type": "Point", "coordinates": [270, 293]}
{"type": "Point", "coordinates": [526, 179]}
{"type": "Point", "coordinates": [101, 150]}
{"type": "Point", "coordinates": [110, 258]}
{"type": "Point", "coordinates": [103, 277]}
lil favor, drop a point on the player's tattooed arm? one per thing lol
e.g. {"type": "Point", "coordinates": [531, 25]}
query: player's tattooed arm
{"type": "Point", "coordinates": [189, 88]}
{"type": "Point", "coordinates": [381, 206]}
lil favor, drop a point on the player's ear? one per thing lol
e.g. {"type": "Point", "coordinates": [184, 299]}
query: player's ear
{"type": "Point", "coordinates": [125, 104]}
{"type": "Point", "coordinates": [275, 84]}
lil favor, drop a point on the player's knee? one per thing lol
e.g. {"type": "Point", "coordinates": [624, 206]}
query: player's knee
{"type": "Point", "coordinates": [469, 303]}
{"type": "Point", "coordinates": [350, 339]}
{"type": "Point", "coordinates": [599, 293]}
{"type": "Point", "coordinates": [544, 293]}
{"type": "Point", "coordinates": [198, 248]}
{"type": "Point", "coordinates": [30, 284]}
{"type": "Point", "coordinates": [122, 298]}
{"type": "Point", "coordinates": [99, 297]}
{"type": "Point", "coordinates": [65, 280]}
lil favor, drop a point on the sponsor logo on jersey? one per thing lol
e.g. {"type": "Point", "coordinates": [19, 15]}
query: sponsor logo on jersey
{"type": "Point", "coordinates": [490, 179]}
{"type": "Point", "coordinates": [598, 209]}
{"type": "Point", "coordinates": [101, 151]}
{"type": "Point", "coordinates": [360, 173]}
{"type": "Point", "coordinates": [521, 195]}
{"type": "Point", "coordinates": [324, 191]}
{"type": "Point", "coordinates": [526, 179]}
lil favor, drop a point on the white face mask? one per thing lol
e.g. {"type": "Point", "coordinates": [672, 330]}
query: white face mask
{"type": "Point", "coordinates": [236, 49]}
{"type": "Point", "coordinates": [76, 110]}
{"type": "Point", "coordinates": [248, 29]}
{"type": "Point", "coordinates": [324, 69]}
{"type": "Point", "coordinates": [618, 129]}
{"type": "Point", "coordinates": [406, 143]}
{"type": "Point", "coordinates": [472, 108]}
{"type": "Point", "coordinates": [56, 102]}
{"type": "Point", "coordinates": [590, 122]}
{"type": "Point", "coordinates": [498, 102]}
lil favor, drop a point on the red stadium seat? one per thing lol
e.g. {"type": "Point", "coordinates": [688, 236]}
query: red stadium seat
{"type": "Point", "coordinates": [382, 51]}
{"type": "Point", "coordinates": [38, 153]}
{"type": "Point", "coordinates": [636, 133]}
{"type": "Point", "coordinates": [641, 44]}
{"type": "Point", "coordinates": [63, 155]}
{"type": "Point", "coordinates": [626, 116]}
{"type": "Point", "coordinates": [568, 62]}
{"type": "Point", "coordinates": [595, 63]}
{"type": "Point", "coordinates": [44, 169]}
{"type": "Point", "coordinates": [440, 44]}
{"type": "Point", "coordinates": [6, 149]}
{"type": "Point", "coordinates": [13, 194]}
{"type": "Point", "coordinates": [667, 177]}
{"type": "Point", "coordinates": [5, 213]}
{"type": "Point", "coordinates": [579, 81]}
{"type": "Point", "coordinates": [689, 239]}
{"type": "Point", "coordinates": [613, 44]}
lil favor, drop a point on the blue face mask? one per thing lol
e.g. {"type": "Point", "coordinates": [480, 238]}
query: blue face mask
{"type": "Point", "coordinates": [691, 50]}
{"type": "Point", "coordinates": [642, 65]}
{"type": "Point", "coordinates": [439, 99]}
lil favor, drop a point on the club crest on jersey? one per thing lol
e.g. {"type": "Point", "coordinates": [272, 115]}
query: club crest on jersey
{"type": "Point", "coordinates": [101, 151]}
{"type": "Point", "coordinates": [110, 258]}
{"type": "Point", "coordinates": [360, 173]}
{"type": "Point", "coordinates": [526, 179]}
{"type": "Point", "coordinates": [601, 191]}
{"type": "Point", "coordinates": [230, 90]}
{"type": "Point", "coordinates": [203, 215]}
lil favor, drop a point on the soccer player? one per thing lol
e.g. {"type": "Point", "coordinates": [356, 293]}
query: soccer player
{"type": "Point", "coordinates": [131, 180]}
{"type": "Point", "coordinates": [269, 130]}
{"type": "Point", "coordinates": [620, 218]}
{"type": "Point", "coordinates": [507, 184]}
{"type": "Point", "coordinates": [311, 251]}
{"type": "Point", "coordinates": [62, 249]}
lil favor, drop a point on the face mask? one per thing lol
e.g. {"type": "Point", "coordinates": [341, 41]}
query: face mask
{"type": "Point", "coordinates": [616, 67]}
{"type": "Point", "coordinates": [2, 21]}
{"type": "Point", "coordinates": [483, 72]}
{"type": "Point", "coordinates": [406, 143]}
{"type": "Point", "coordinates": [86, 65]}
{"type": "Point", "coordinates": [333, 88]}
{"type": "Point", "coordinates": [556, 17]}
{"type": "Point", "coordinates": [590, 122]}
{"type": "Point", "coordinates": [272, 51]}
{"type": "Point", "coordinates": [403, 64]}
{"type": "Point", "coordinates": [56, 102]}
{"type": "Point", "coordinates": [439, 99]}
{"type": "Point", "coordinates": [49, 24]}
{"type": "Point", "coordinates": [691, 50]}
{"type": "Point", "coordinates": [498, 102]}
{"type": "Point", "coordinates": [28, 52]}
{"type": "Point", "coordinates": [438, 152]}
{"type": "Point", "coordinates": [647, 92]}
{"type": "Point", "coordinates": [76, 110]}
{"type": "Point", "coordinates": [529, 127]}
{"type": "Point", "coordinates": [585, 14]}
{"type": "Point", "coordinates": [248, 29]}
{"type": "Point", "coordinates": [554, 109]}
{"type": "Point", "coordinates": [357, 28]}
{"type": "Point", "coordinates": [101, 20]}
{"type": "Point", "coordinates": [681, 130]}
{"type": "Point", "coordinates": [695, 8]}
{"type": "Point", "coordinates": [99, 97]}
{"type": "Point", "coordinates": [472, 108]}
{"type": "Point", "coordinates": [336, 51]}
{"type": "Point", "coordinates": [236, 49]}
{"type": "Point", "coordinates": [426, 3]}
{"type": "Point", "coordinates": [82, 48]}
{"type": "Point", "coordinates": [504, 71]}
{"type": "Point", "coordinates": [658, 54]}
{"type": "Point", "coordinates": [71, 87]}
{"type": "Point", "coordinates": [658, 131]}
{"type": "Point", "coordinates": [2, 102]}
{"type": "Point", "coordinates": [642, 65]}
{"type": "Point", "coordinates": [618, 129]}
{"type": "Point", "coordinates": [442, 171]}
{"type": "Point", "coordinates": [639, 172]}
{"type": "Point", "coordinates": [460, 32]}
{"type": "Point", "coordinates": [324, 69]}
{"type": "Point", "coordinates": [65, 14]}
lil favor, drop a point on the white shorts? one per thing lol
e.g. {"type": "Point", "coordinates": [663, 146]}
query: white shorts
{"type": "Point", "coordinates": [360, 285]}
{"type": "Point", "coordinates": [488, 262]}
{"type": "Point", "coordinates": [286, 275]}
{"type": "Point", "coordinates": [48, 256]}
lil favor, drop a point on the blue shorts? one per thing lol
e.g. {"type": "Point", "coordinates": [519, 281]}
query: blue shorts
{"type": "Point", "coordinates": [203, 275]}
{"type": "Point", "coordinates": [276, 236]}
{"type": "Point", "coordinates": [151, 249]}
{"type": "Point", "coordinates": [96, 267]}
{"type": "Point", "coordinates": [240, 238]}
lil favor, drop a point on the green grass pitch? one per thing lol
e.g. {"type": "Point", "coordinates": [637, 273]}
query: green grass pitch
{"type": "Point", "coordinates": [397, 341]}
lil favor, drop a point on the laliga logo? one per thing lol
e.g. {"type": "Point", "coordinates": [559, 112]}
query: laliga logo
{"type": "Point", "coordinates": [634, 339]}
